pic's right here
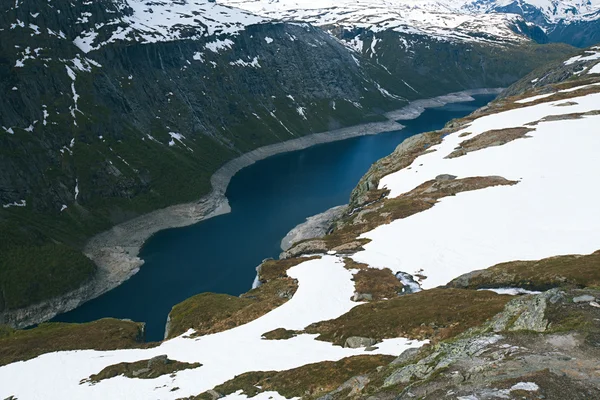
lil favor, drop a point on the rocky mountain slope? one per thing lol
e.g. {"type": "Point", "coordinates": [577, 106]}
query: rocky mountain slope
{"type": "Point", "coordinates": [116, 108]}
{"type": "Point", "coordinates": [409, 295]}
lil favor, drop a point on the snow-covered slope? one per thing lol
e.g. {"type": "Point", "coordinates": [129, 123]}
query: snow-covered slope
{"type": "Point", "coordinates": [552, 10]}
{"type": "Point", "coordinates": [147, 22]}
{"type": "Point", "coordinates": [534, 219]}
{"type": "Point", "coordinates": [464, 19]}
{"type": "Point", "coordinates": [439, 19]}
{"type": "Point", "coordinates": [325, 290]}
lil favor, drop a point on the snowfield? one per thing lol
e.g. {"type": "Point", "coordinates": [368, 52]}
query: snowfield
{"type": "Point", "coordinates": [324, 292]}
{"type": "Point", "coordinates": [167, 20]}
{"type": "Point", "coordinates": [551, 211]}
{"type": "Point", "coordinates": [445, 20]}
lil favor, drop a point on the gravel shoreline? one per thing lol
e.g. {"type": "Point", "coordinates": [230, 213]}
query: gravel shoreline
{"type": "Point", "coordinates": [115, 251]}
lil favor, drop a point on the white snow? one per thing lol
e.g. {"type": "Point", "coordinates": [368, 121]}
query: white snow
{"type": "Point", "coordinates": [167, 20]}
{"type": "Point", "coordinates": [589, 55]}
{"type": "Point", "coordinates": [595, 69]}
{"type": "Point", "coordinates": [21, 203]}
{"type": "Point", "coordinates": [254, 63]}
{"type": "Point", "coordinates": [531, 220]}
{"type": "Point", "coordinates": [76, 188]}
{"type": "Point", "coordinates": [534, 98]}
{"type": "Point", "coordinates": [198, 56]}
{"type": "Point", "coordinates": [443, 19]}
{"type": "Point", "coordinates": [301, 111]}
{"type": "Point", "coordinates": [324, 292]}
{"type": "Point", "coordinates": [512, 291]}
{"type": "Point", "coordinates": [261, 396]}
{"type": "Point", "coordinates": [219, 45]}
{"type": "Point", "coordinates": [526, 386]}
{"type": "Point", "coordinates": [268, 40]}
{"type": "Point", "coordinates": [63, 208]}
{"type": "Point", "coordinates": [179, 137]}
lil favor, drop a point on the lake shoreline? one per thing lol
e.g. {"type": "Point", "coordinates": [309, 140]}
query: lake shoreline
{"type": "Point", "coordinates": [116, 251]}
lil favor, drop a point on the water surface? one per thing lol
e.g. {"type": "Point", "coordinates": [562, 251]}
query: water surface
{"type": "Point", "coordinates": [267, 200]}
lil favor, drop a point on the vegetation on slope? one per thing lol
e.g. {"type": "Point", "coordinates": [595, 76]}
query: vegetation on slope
{"type": "Point", "coordinates": [143, 369]}
{"type": "Point", "coordinates": [104, 334]}
{"type": "Point", "coordinates": [435, 314]}
{"type": "Point", "coordinates": [308, 382]}
{"type": "Point", "coordinates": [560, 271]}
{"type": "Point", "coordinates": [33, 269]}
{"type": "Point", "coordinates": [211, 313]}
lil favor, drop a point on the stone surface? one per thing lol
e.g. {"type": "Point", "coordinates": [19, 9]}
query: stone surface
{"type": "Point", "coordinates": [583, 299]}
{"type": "Point", "coordinates": [355, 342]}
{"type": "Point", "coordinates": [314, 227]}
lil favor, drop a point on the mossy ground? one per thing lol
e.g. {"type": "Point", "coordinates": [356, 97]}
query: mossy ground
{"type": "Point", "coordinates": [308, 382]}
{"type": "Point", "coordinates": [279, 334]}
{"type": "Point", "coordinates": [435, 314]}
{"type": "Point", "coordinates": [104, 334]}
{"type": "Point", "coordinates": [211, 313]}
{"type": "Point", "coordinates": [143, 369]}
{"type": "Point", "coordinates": [379, 283]}
{"type": "Point", "coordinates": [572, 270]}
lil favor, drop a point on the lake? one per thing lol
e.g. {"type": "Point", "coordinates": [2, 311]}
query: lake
{"type": "Point", "coordinates": [267, 200]}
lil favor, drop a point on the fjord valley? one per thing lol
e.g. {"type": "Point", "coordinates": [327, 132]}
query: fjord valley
{"type": "Point", "coordinates": [114, 109]}
{"type": "Point", "coordinates": [267, 199]}
{"type": "Point", "coordinates": [463, 264]}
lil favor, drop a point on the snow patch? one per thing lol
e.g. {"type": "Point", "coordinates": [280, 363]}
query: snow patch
{"type": "Point", "coordinates": [219, 45]}
{"type": "Point", "coordinates": [21, 203]}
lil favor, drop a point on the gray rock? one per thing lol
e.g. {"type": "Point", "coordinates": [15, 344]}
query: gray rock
{"type": "Point", "coordinates": [157, 361]}
{"type": "Point", "coordinates": [528, 313]}
{"type": "Point", "coordinates": [214, 394]}
{"type": "Point", "coordinates": [355, 342]}
{"type": "Point", "coordinates": [314, 227]}
{"type": "Point", "coordinates": [533, 317]}
{"type": "Point", "coordinates": [406, 356]}
{"type": "Point", "coordinates": [362, 297]}
{"type": "Point", "coordinates": [309, 247]}
{"type": "Point", "coordinates": [355, 384]}
{"type": "Point", "coordinates": [141, 371]}
{"type": "Point", "coordinates": [583, 299]}
{"type": "Point", "coordinates": [286, 294]}
{"type": "Point", "coordinates": [445, 177]}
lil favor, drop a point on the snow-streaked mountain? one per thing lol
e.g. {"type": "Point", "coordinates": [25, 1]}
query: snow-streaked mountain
{"type": "Point", "coordinates": [439, 19]}
{"type": "Point", "coordinates": [553, 11]}
{"type": "Point", "coordinates": [148, 22]}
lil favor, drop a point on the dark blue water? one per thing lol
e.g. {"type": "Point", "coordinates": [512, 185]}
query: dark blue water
{"type": "Point", "coordinates": [267, 199]}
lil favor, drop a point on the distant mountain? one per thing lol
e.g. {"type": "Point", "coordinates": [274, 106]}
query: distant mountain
{"type": "Point", "coordinates": [573, 22]}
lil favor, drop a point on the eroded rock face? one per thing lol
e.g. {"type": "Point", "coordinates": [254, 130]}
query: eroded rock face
{"type": "Point", "coordinates": [526, 313]}
{"type": "Point", "coordinates": [308, 247]}
{"type": "Point", "coordinates": [532, 347]}
{"type": "Point", "coordinates": [314, 227]}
